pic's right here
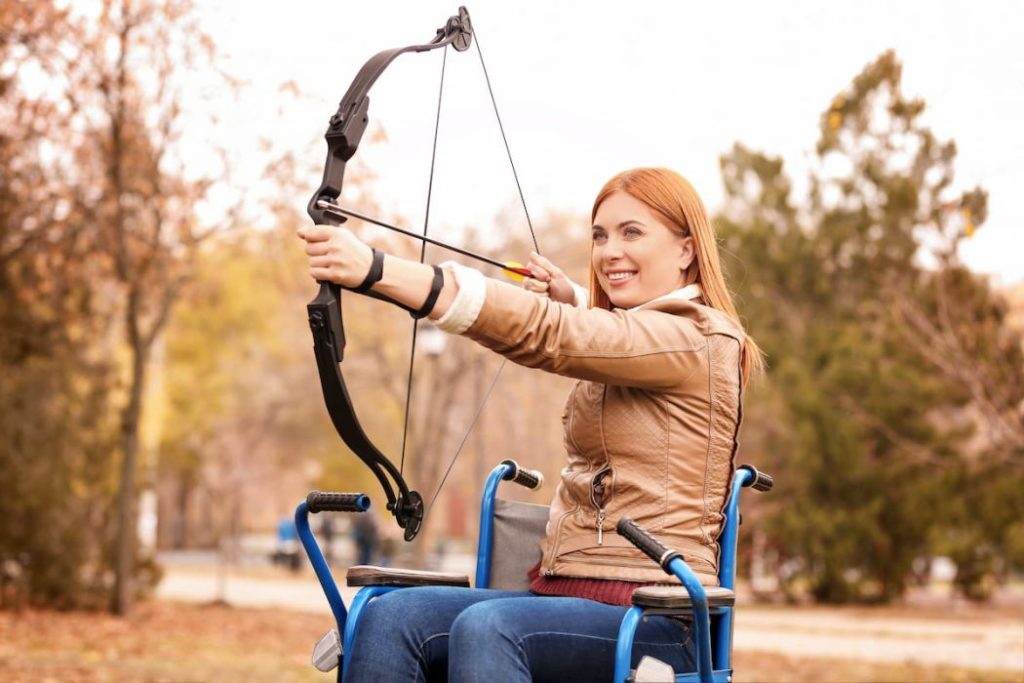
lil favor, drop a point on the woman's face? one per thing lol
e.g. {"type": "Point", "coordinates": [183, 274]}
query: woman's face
{"type": "Point", "coordinates": [636, 256]}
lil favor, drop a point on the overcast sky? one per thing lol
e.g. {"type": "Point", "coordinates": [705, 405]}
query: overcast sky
{"type": "Point", "coordinates": [586, 89]}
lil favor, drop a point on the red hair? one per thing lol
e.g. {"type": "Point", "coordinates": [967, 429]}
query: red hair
{"type": "Point", "coordinates": [673, 199]}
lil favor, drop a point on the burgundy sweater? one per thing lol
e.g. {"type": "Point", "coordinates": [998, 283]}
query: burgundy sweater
{"type": "Point", "coordinates": [607, 591]}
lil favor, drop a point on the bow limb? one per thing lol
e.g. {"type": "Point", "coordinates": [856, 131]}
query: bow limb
{"type": "Point", "coordinates": [348, 124]}
{"type": "Point", "coordinates": [343, 135]}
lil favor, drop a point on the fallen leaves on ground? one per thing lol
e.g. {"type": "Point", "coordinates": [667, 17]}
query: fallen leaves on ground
{"type": "Point", "coordinates": [166, 642]}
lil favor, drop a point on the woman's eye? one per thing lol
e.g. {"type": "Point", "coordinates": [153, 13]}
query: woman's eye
{"type": "Point", "coordinates": [599, 236]}
{"type": "Point", "coordinates": [633, 232]}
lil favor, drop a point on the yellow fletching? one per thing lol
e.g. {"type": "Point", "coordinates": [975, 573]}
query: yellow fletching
{"type": "Point", "coordinates": [512, 274]}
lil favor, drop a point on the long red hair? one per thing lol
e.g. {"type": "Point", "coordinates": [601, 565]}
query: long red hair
{"type": "Point", "coordinates": [673, 198]}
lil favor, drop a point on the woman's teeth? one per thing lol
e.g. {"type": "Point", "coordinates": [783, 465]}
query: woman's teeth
{"type": "Point", "coordinates": [614, 277]}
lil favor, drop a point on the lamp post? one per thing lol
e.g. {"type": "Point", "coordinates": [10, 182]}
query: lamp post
{"type": "Point", "coordinates": [432, 340]}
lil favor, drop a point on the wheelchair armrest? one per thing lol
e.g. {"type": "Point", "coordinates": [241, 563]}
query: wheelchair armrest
{"type": "Point", "coordinates": [367, 575]}
{"type": "Point", "coordinates": [676, 597]}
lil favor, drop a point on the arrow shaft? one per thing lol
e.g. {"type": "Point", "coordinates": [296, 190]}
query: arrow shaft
{"type": "Point", "coordinates": [334, 208]}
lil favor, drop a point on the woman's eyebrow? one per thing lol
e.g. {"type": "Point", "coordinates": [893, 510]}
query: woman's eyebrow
{"type": "Point", "coordinates": [623, 224]}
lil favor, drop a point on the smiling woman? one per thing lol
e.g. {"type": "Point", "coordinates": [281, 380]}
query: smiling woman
{"type": "Point", "coordinates": [661, 221]}
{"type": "Point", "coordinates": [650, 432]}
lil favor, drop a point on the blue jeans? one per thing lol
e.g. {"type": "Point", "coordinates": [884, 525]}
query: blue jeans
{"type": "Point", "coordinates": [466, 635]}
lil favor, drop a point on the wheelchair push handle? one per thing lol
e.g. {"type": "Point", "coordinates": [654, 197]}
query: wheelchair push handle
{"type": "Point", "coordinates": [760, 481]}
{"type": "Point", "coordinates": [652, 547]}
{"type": "Point", "coordinates": [326, 501]}
{"type": "Point", "coordinates": [531, 479]}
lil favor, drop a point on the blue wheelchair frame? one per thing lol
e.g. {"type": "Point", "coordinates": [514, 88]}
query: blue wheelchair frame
{"type": "Point", "coordinates": [712, 627]}
{"type": "Point", "coordinates": [713, 653]}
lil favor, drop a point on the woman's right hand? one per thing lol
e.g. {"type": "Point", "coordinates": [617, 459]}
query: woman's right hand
{"type": "Point", "coordinates": [549, 280]}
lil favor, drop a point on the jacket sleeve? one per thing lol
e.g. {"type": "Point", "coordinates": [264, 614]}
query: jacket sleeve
{"type": "Point", "coordinates": [649, 349]}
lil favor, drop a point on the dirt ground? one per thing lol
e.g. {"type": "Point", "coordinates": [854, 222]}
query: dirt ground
{"type": "Point", "coordinates": [176, 642]}
{"type": "Point", "coordinates": [931, 629]}
{"type": "Point", "coordinates": [967, 638]}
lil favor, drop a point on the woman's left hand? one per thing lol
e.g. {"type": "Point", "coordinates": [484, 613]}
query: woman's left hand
{"type": "Point", "coordinates": [549, 280]}
{"type": "Point", "coordinates": [336, 255]}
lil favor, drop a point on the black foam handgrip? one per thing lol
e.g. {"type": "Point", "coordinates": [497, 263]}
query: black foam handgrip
{"type": "Point", "coordinates": [323, 501]}
{"type": "Point", "coordinates": [762, 481]}
{"type": "Point", "coordinates": [653, 548]}
{"type": "Point", "coordinates": [531, 479]}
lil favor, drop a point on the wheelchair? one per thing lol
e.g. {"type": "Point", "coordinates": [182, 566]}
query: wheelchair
{"type": "Point", "coordinates": [508, 547]}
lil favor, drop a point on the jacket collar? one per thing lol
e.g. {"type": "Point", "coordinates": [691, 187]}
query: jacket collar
{"type": "Point", "coordinates": [687, 293]}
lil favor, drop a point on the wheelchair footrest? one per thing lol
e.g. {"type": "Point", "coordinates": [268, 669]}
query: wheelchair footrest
{"type": "Point", "coordinates": [367, 575]}
{"type": "Point", "coordinates": [651, 670]}
{"type": "Point", "coordinates": [327, 652]}
{"type": "Point", "coordinates": [674, 597]}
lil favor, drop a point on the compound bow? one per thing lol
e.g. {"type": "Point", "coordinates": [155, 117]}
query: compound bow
{"type": "Point", "coordinates": [343, 135]}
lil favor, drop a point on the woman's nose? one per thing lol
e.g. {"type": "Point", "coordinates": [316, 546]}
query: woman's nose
{"type": "Point", "coordinates": [612, 249]}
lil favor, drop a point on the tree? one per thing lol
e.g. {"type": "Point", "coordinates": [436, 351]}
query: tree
{"type": "Point", "coordinates": [58, 381]}
{"type": "Point", "coordinates": [98, 239]}
{"type": "Point", "coordinates": [145, 212]}
{"type": "Point", "coordinates": [883, 347]}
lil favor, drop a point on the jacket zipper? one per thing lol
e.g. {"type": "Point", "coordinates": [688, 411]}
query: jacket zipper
{"type": "Point", "coordinates": [599, 496]}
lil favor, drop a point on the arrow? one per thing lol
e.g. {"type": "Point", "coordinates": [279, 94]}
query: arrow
{"type": "Point", "coordinates": [509, 266]}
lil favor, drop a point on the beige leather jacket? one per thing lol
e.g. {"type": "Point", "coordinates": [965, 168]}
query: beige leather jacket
{"type": "Point", "coordinates": [650, 427]}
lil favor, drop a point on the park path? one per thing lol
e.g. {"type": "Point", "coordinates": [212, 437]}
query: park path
{"type": "Point", "coordinates": [851, 634]}
{"type": "Point", "coordinates": [996, 643]}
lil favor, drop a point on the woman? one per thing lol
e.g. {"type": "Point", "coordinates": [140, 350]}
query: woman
{"type": "Point", "coordinates": [650, 432]}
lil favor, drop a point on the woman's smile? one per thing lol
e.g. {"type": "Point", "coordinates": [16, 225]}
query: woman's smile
{"type": "Point", "coordinates": [617, 278]}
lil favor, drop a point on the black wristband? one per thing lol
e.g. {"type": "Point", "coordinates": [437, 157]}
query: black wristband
{"type": "Point", "coordinates": [435, 290]}
{"type": "Point", "coordinates": [375, 274]}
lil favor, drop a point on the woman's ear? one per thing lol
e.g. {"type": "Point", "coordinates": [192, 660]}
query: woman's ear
{"type": "Point", "coordinates": [687, 253]}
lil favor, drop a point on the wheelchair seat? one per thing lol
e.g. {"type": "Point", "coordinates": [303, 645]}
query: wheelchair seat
{"type": "Point", "coordinates": [369, 575]}
{"type": "Point", "coordinates": [676, 597]}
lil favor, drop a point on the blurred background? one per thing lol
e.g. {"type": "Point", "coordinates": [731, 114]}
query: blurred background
{"type": "Point", "coordinates": [160, 415]}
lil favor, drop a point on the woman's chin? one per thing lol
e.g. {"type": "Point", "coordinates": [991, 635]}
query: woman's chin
{"type": "Point", "coordinates": [623, 300]}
